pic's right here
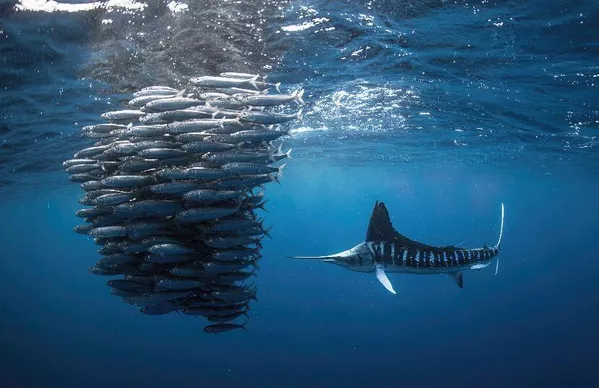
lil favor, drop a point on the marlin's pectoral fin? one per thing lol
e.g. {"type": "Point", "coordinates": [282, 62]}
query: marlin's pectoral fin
{"type": "Point", "coordinates": [382, 277]}
{"type": "Point", "coordinates": [458, 277]}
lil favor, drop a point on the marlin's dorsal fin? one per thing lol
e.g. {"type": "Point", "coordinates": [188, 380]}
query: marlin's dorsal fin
{"type": "Point", "coordinates": [380, 228]}
{"type": "Point", "coordinates": [458, 277]}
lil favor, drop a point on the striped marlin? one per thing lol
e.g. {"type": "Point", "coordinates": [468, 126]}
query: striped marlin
{"type": "Point", "coordinates": [386, 250]}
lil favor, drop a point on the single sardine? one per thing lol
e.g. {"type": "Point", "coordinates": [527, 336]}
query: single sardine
{"type": "Point", "coordinates": [122, 115]}
{"type": "Point", "coordinates": [196, 215]}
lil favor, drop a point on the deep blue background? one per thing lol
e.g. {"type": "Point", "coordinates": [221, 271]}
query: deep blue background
{"type": "Point", "coordinates": [443, 110]}
{"type": "Point", "coordinates": [534, 324]}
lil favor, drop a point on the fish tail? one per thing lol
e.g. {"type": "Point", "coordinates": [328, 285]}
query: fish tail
{"type": "Point", "coordinates": [242, 326]}
{"type": "Point", "coordinates": [280, 170]}
{"type": "Point", "coordinates": [261, 222]}
{"type": "Point", "coordinates": [267, 232]}
{"type": "Point", "coordinates": [298, 97]}
{"type": "Point", "coordinates": [275, 178]}
{"type": "Point", "coordinates": [252, 81]}
{"type": "Point", "coordinates": [501, 228]}
{"type": "Point", "coordinates": [498, 246]}
{"type": "Point", "coordinates": [299, 116]}
{"type": "Point", "coordinates": [265, 144]}
{"type": "Point", "coordinates": [277, 86]}
{"type": "Point", "coordinates": [288, 153]}
{"type": "Point", "coordinates": [261, 206]}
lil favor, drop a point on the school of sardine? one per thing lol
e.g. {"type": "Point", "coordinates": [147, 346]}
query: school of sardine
{"type": "Point", "coordinates": [172, 187]}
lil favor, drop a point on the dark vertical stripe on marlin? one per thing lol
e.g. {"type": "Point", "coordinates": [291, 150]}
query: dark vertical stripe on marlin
{"type": "Point", "coordinates": [430, 259]}
{"type": "Point", "coordinates": [404, 257]}
{"type": "Point", "coordinates": [438, 259]}
{"type": "Point", "coordinates": [378, 252]}
{"type": "Point", "coordinates": [380, 248]}
{"type": "Point", "coordinates": [461, 257]}
{"type": "Point", "coordinates": [390, 248]}
{"type": "Point", "coordinates": [420, 259]}
{"type": "Point", "coordinates": [412, 258]}
{"type": "Point", "coordinates": [371, 251]}
{"type": "Point", "coordinates": [386, 247]}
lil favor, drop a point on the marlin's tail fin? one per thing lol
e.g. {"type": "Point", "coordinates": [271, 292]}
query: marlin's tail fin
{"type": "Point", "coordinates": [501, 228]}
{"type": "Point", "coordinates": [498, 246]}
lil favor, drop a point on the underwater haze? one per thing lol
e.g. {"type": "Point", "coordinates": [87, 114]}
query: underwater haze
{"type": "Point", "coordinates": [443, 110]}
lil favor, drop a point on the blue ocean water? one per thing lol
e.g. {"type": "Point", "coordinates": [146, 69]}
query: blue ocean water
{"type": "Point", "coordinates": [443, 110]}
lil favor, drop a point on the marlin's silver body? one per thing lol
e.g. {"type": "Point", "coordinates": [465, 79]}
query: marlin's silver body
{"type": "Point", "coordinates": [386, 250]}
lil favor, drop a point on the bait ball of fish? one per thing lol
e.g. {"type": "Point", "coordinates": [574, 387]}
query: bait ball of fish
{"type": "Point", "coordinates": [170, 186]}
